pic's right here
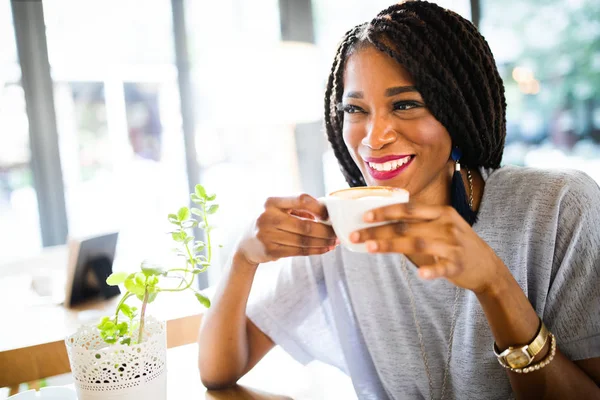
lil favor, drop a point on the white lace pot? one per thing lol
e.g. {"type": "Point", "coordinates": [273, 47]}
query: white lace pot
{"type": "Point", "coordinates": [119, 372]}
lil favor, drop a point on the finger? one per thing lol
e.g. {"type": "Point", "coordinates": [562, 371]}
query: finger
{"type": "Point", "coordinates": [414, 245]}
{"type": "Point", "coordinates": [302, 214]}
{"type": "Point", "coordinates": [276, 250]}
{"type": "Point", "coordinates": [441, 269]}
{"type": "Point", "coordinates": [406, 211]}
{"type": "Point", "coordinates": [305, 227]}
{"type": "Point", "coordinates": [401, 228]}
{"type": "Point", "coordinates": [295, 240]}
{"type": "Point", "coordinates": [304, 202]}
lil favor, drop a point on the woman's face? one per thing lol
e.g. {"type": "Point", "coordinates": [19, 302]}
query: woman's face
{"type": "Point", "coordinates": [391, 135]}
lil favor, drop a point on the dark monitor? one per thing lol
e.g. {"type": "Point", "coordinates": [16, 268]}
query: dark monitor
{"type": "Point", "coordinates": [90, 263]}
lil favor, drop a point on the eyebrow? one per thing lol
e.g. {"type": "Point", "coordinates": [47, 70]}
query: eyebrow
{"type": "Point", "coordinates": [388, 92]}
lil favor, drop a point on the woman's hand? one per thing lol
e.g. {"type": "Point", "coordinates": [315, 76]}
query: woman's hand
{"type": "Point", "coordinates": [288, 227]}
{"type": "Point", "coordinates": [454, 249]}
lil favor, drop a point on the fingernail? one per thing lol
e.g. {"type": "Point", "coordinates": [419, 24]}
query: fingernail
{"type": "Point", "coordinates": [354, 236]}
{"type": "Point", "coordinates": [337, 241]}
{"type": "Point", "coordinates": [331, 248]}
{"type": "Point", "coordinates": [369, 216]}
{"type": "Point", "coordinates": [427, 273]}
{"type": "Point", "coordinates": [372, 246]}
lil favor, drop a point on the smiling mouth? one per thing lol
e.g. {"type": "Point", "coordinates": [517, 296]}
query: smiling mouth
{"type": "Point", "coordinates": [390, 168]}
{"type": "Point", "coordinates": [391, 165]}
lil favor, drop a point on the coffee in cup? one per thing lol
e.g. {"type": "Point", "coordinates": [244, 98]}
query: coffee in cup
{"type": "Point", "coordinates": [347, 207]}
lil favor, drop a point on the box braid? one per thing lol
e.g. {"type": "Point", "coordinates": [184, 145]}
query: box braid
{"type": "Point", "coordinates": [453, 69]}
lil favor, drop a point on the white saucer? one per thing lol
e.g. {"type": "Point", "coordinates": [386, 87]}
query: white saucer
{"type": "Point", "coordinates": [47, 393]}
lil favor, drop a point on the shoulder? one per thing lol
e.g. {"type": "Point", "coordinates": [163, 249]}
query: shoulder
{"type": "Point", "coordinates": [562, 187]}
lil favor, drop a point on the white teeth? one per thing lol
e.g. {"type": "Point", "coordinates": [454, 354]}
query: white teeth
{"type": "Point", "coordinates": [390, 165]}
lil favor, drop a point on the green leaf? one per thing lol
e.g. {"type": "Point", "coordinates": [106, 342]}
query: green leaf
{"type": "Point", "coordinates": [199, 247]}
{"type": "Point", "coordinates": [116, 278]}
{"type": "Point", "coordinates": [151, 269]}
{"type": "Point", "coordinates": [126, 310]}
{"type": "Point", "coordinates": [200, 191]}
{"type": "Point", "coordinates": [140, 279]}
{"type": "Point", "coordinates": [203, 299]}
{"type": "Point", "coordinates": [220, 246]}
{"type": "Point", "coordinates": [122, 327]}
{"type": "Point", "coordinates": [212, 197]}
{"type": "Point", "coordinates": [102, 322]}
{"type": "Point", "coordinates": [196, 199]}
{"type": "Point", "coordinates": [126, 341]}
{"type": "Point", "coordinates": [189, 224]}
{"type": "Point", "coordinates": [197, 211]}
{"type": "Point", "coordinates": [213, 209]}
{"type": "Point", "coordinates": [130, 284]}
{"type": "Point", "coordinates": [183, 214]}
{"type": "Point", "coordinates": [189, 239]}
{"type": "Point", "coordinates": [196, 271]}
{"type": "Point", "coordinates": [151, 297]}
{"type": "Point", "coordinates": [179, 236]}
{"type": "Point", "coordinates": [173, 219]}
{"type": "Point", "coordinates": [179, 252]}
{"type": "Point", "coordinates": [109, 325]}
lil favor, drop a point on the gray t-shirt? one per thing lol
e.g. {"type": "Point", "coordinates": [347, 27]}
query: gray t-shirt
{"type": "Point", "coordinates": [352, 310]}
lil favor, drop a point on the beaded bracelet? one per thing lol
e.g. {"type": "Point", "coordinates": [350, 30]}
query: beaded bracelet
{"type": "Point", "coordinates": [535, 367]}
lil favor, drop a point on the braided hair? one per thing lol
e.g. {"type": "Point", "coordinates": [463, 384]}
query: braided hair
{"type": "Point", "coordinates": [452, 67]}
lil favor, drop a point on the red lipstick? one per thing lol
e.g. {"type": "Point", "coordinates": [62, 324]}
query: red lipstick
{"type": "Point", "coordinates": [386, 175]}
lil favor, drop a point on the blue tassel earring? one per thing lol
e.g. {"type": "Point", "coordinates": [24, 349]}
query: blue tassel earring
{"type": "Point", "coordinates": [460, 201]}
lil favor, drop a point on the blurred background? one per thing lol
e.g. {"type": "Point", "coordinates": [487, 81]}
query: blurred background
{"type": "Point", "coordinates": [110, 111]}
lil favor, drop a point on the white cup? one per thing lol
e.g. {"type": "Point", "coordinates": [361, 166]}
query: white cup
{"type": "Point", "coordinates": [347, 208]}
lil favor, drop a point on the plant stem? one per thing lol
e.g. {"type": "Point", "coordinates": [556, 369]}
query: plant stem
{"type": "Point", "coordinates": [207, 234]}
{"type": "Point", "coordinates": [178, 289]}
{"type": "Point", "coordinates": [178, 270]}
{"type": "Point", "coordinates": [125, 297]}
{"type": "Point", "coordinates": [142, 315]}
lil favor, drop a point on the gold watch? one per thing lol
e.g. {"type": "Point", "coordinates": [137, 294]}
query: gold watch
{"type": "Point", "coordinates": [522, 356]}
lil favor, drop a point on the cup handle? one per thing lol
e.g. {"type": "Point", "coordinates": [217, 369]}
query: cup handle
{"type": "Point", "coordinates": [321, 201]}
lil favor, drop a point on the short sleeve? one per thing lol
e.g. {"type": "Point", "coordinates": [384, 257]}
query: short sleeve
{"type": "Point", "coordinates": [572, 309]}
{"type": "Point", "coordinates": [289, 303]}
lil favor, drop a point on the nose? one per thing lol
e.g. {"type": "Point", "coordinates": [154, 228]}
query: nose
{"type": "Point", "coordinates": [380, 132]}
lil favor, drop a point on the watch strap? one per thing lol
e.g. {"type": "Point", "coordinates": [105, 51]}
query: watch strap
{"type": "Point", "coordinates": [532, 349]}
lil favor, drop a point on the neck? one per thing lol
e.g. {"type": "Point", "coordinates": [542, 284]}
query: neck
{"type": "Point", "coordinates": [438, 191]}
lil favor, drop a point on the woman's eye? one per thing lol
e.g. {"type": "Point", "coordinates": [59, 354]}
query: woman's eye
{"type": "Point", "coordinates": [405, 105]}
{"type": "Point", "coordinates": [350, 109]}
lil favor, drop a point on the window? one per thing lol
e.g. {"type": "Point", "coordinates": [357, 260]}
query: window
{"type": "Point", "coordinates": [19, 230]}
{"type": "Point", "coordinates": [548, 54]}
{"type": "Point", "coordinates": [119, 121]}
{"type": "Point", "coordinates": [245, 143]}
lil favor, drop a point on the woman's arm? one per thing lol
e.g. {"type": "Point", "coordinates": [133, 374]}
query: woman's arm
{"type": "Point", "coordinates": [513, 321]}
{"type": "Point", "coordinates": [230, 344]}
{"type": "Point", "coordinates": [464, 259]}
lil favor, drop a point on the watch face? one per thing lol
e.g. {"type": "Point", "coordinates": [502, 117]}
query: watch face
{"type": "Point", "coordinates": [517, 359]}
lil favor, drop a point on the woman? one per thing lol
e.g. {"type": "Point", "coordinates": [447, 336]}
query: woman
{"type": "Point", "coordinates": [518, 248]}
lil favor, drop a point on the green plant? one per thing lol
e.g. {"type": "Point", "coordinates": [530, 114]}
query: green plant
{"type": "Point", "coordinates": [148, 283]}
